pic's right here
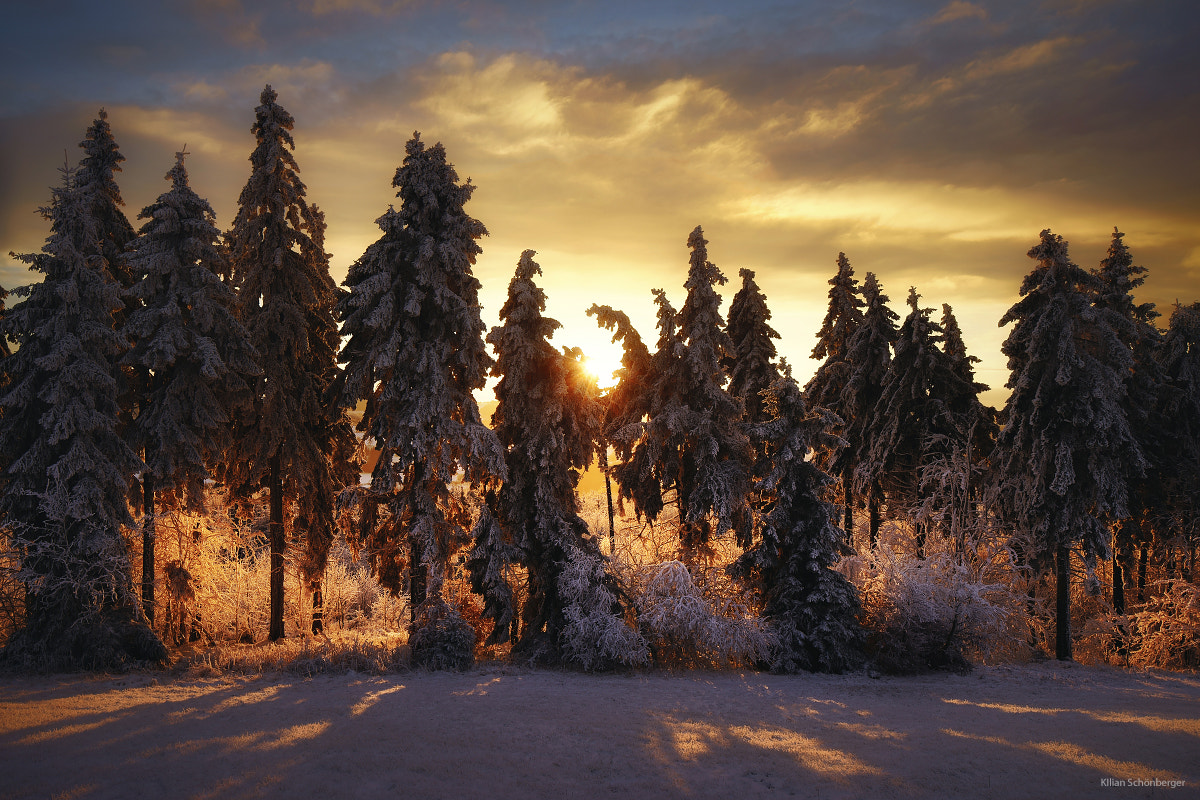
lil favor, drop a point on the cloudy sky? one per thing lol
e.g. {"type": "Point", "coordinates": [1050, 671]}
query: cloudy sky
{"type": "Point", "coordinates": [929, 141]}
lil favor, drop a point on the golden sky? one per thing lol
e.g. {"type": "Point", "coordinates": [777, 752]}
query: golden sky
{"type": "Point", "coordinates": [931, 142]}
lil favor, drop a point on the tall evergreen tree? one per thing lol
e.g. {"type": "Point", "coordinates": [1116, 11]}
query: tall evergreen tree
{"type": "Point", "coordinates": [691, 441]}
{"type": "Point", "coordinates": [826, 387]}
{"type": "Point", "coordinates": [548, 418]}
{"type": "Point", "coordinates": [97, 183]}
{"type": "Point", "coordinates": [1179, 361]}
{"type": "Point", "coordinates": [292, 440]}
{"type": "Point", "coordinates": [812, 607]}
{"type": "Point", "coordinates": [67, 469]}
{"type": "Point", "coordinates": [750, 364]}
{"type": "Point", "coordinates": [960, 489]}
{"type": "Point", "coordinates": [191, 352]}
{"type": "Point", "coordinates": [912, 424]}
{"type": "Point", "coordinates": [867, 361]}
{"type": "Point", "coordinates": [1118, 277]}
{"type": "Point", "coordinates": [1060, 459]}
{"type": "Point", "coordinates": [627, 402]}
{"type": "Point", "coordinates": [415, 352]}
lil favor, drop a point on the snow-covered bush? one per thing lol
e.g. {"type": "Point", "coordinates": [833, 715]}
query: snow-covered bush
{"type": "Point", "coordinates": [1163, 634]}
{"type": "Point", "coordinates": [933, 613]}
{"type": "Point", "coordinates": [685, 627]}
{"type": "Point", "coordinates": [440, 638]}
{"type": "Point", "coordinates": [596, 635]}
{"type": "Point", "coordinates": [1166, 633]}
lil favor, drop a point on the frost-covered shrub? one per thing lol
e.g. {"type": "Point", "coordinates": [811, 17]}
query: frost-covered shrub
{"type": "Point", "coordinates": [1166, 633]}
{"type": "Point", "coordinates": [440, 638]}
{"type": "Point", "coordinates": [596, 635]}
{"type": "Point", "coordinates": [932, 613]}
{"type": "Point", "coordinates": [685, 627]}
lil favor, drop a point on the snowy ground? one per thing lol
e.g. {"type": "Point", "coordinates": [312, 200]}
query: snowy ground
{"type": "Point", "coordinates": [1043, 730]}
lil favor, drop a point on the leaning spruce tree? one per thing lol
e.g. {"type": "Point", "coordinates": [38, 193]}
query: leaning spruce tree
{"type": "Point", "coordinates": [293, 439]}
{"type": "Point", "coordinates": [415, 353]}
{"type": "Point", "coordinates": [548, 418]}
{"type": "Point", "coordinates": [811, 607]}
{"type": "Point", "coordinates": [67, 470]}
{"type": "Point", "coordinates": [1061, 458]}
{"type": "Point", "coordinates": [190, 352]}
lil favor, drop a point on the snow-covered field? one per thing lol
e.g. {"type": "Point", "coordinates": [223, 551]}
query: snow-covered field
{"type": "Point", "coordinates": [1039, 730]}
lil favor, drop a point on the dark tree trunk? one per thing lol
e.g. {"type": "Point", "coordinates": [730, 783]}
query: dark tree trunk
{"type": "Point", "coordinates": [417, 570]}
{"type": "Point", "coordinates": [148, 534]}
{"type": "Point", "coordinates": [1118, 584]}
{"type": "Point", "coordinates": [612, 518]}
{"type": "Point", "coordinates": [874, 518]}
{"type": "Point", "coordinates": [1143, 557]}
{"type": "Point", "coordinates": [318, 609]}
{"type": "Point", "coordinates": [278, 545]}
{"type": "Point", "coordinates": [1062, 620]}
{"type": "Point", "coordinates": [848, 496]}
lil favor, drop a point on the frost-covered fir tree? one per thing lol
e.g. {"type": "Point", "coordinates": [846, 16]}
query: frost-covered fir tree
{"type": "Point", "coordinates": [415, 353]}
{"type": "Point", "coordinates": [67, 470]}
{"type": "Point", "coordinates": [825, 388]}
{"type": "Point", "coordinates": [812, 608]}
{"type": "Point", "coordinates": [912, 426]}
{"type": "Point", "coordinates": [1179, 362]}
{"type": "Point", "coordinates": [293, 439]}
{"type": "Point", "coordinates": [548, 418]}
{"type": "Point", "coordinates": [867, 361]}
{"type": "Point", "coordinates": [97, 183]}
{"type": "Point", "coordinates": [1118, 278]}
{"type": "Point", "coordinates": [955, 481]}
{"type": "Point", "coordinates": [190, 352]}
{"type": "Point", "coordinates": [1061, 458]}
{"type": "Point", "coordinates": [691, 441]}
{"type": "Point", "coordinates": [750, 364]}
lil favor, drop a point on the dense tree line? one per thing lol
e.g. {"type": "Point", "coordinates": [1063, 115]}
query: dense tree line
{"type": "Point", "coordinates": [149, 364]}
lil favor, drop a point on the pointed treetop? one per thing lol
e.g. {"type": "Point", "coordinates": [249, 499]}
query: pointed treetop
{"type": "Point", "coordinates": [913, 298]}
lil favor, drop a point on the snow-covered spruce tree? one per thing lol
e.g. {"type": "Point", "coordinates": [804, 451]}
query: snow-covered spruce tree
{"type": "Point", "coordinates": [954, 481]}
{"type": "Point", "coordinates": [492, 555]}
{"type": "Point", "coordinates": [1134, 323]}
{"type": "Point", "coordinates": [912, 426]}
{"type": "Point", "coordinates": [67, 470]}
{"type": "Point", "coordinates": [415, 352]}
{"type": "Point", "coordinates": [750, 364]}
{"type": "Point", "coordinates": [825, 388]}
{"type": "Point", "coordinates": [691, 441]}
{"type": "Point", "coordinates": [190, 353]}
{"type": "Point", "coordinates": [1060, 460]}
{"type": "Point", "coordinates": [97, 184]}
{"type": "Point", "coordinates": [812, 608]}
{"type": "Point", "coordinates": [1179, 360]}
{"type": "Point", "coordinates": [868, 359]}
{"type": "Point", "coordinates": [548, 418]}
{"type": "Point", "coordinates": [626, 403]}
{"type": "Point", "coordinates": [713, 479]}
{"type": "Point", "coordinates": [293, 437]}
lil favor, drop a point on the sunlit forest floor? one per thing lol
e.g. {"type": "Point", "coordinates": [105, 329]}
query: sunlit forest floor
{"type": "Point", "coordinates": [1031, 730]}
